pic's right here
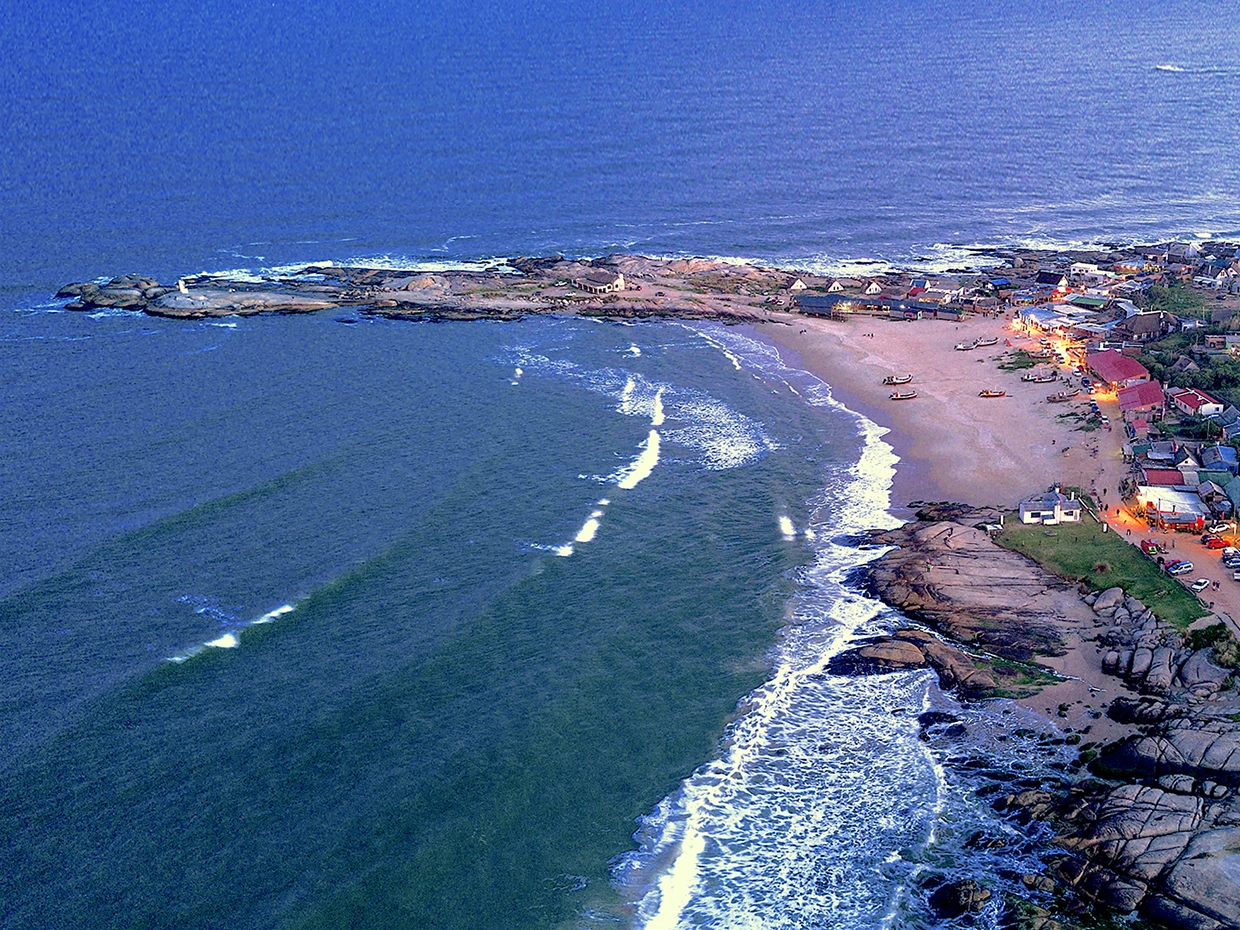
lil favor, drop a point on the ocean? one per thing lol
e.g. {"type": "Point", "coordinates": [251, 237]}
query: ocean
{"type": "Point", "coordinates": [312, 623]}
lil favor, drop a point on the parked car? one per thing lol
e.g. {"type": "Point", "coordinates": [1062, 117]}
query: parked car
{"type": "Point", "coordinates": [1199, 585]}
{"type": "Point", "coordinates": [1214, 542]}
{"type": "Point", "coordinates": [1229, 552]}
{"type": "Point", "coordinates": [1180, 568]}
{"type": "Point", "coordinates": [1218, 528]}
{"type": "Point", "coordinates": [1151, 548]}
{"type": "Point", "coordinates": [1233, 562]}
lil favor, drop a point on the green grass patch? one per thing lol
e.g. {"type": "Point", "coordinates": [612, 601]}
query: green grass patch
{"type": "Point", "coordinates": [1082, 552]}
{"type": "Point", "coordinates": [1017, 679]}
{"type": "Point", "coordinates": [1015, 361]}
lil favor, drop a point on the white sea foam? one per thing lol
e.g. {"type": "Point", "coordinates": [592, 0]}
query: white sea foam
{"type": "Point", "coordinates": [587, 531]}
{"type": "Point", "coordinates": [274, 615]}
{"type": "Point", "coordinates": [656, 418]}
{"type": "Point", "coordinates": [787, 528]}
{"type": "Point", "coordinates": [808, 817]}
{"type": "Point", "coordinates": [227, 641]}
{"type": "Point", "coordinates": [642, 466]}
{"type": "Point", "coordinates": [633, 351]}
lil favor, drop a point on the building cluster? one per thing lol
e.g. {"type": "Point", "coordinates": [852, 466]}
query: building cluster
{"type": "Point", "coordinates": [1050, 286]}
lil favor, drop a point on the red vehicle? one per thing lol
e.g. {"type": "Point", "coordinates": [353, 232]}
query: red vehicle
{"type": "Point", "coordinates": [1151, 548]}
{"type": "Point", "coordinates": [1213, 542]}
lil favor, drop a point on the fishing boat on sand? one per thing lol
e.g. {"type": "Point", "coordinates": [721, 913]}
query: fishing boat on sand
{"type": "Point", "coordinates": [966, 346]}
{"type": "Point", "coordinates": [1062, 396]}
{"type": "Point", "coordinates": [1040, 377]}
{"type": "Point", "coordinates": [897, 379]}
{"type": "Point", "coordinates": [1042, 353]}
{"type": "Point", "coordinates": [903, 395]}
{"type": "Point", "coordinates": [992, 393]}
{"type": "Point", "coordinates": [989, 341]}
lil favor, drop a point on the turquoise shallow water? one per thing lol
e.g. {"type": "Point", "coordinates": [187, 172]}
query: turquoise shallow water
{"type": "Point", "coordinates": [455, 724]}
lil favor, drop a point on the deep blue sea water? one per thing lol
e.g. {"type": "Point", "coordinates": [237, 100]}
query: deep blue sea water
{"type": "Point", "coordinates": [484, 598]}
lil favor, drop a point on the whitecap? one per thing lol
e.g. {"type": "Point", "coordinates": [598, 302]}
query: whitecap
{"type": "Point", "coordinates": [787, 528]}
{"type": "Point", "coordinates": [227, 641]}
{"type": "Point", "coordinates": [587, 531]}
{"type": "Point", "coordinates": [640, 468]}
{"type": "Point", "coordinates": [274, 615]}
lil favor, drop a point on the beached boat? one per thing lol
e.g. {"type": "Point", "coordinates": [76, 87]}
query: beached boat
{"type": "Point", "coordinates": [991, 341]}
{"type": "Point", "coordinates": [1040, 377]}
{"type": "Point", "coordinates": [1062, 396]}
{"type": "Point", "coordinates": [965, 346]}
{"type": "Point", "coordinates": [903, 395]}
{"type": "Point", "coordinates": [1042, 353]}
{"type": "Point", "coordinates": [897, 379]}
{"type": "Point", "coordinates": [992, 393]}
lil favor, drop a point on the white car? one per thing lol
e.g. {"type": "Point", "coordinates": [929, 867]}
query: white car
{"type": "Point", "coordinates": [1199, 585]}
{"type": "Point", "coordinates": [1218, 528]}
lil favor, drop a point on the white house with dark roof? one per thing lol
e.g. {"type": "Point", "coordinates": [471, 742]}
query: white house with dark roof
{"type": "Point", "coordinates": [1051, 509]}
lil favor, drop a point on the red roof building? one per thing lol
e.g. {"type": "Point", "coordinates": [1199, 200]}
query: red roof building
{"type": "Point", "coordinates": [1146, 397]}
{"type": "Point", "coordinates": [1162, 477]}
{"type": "Point", "coordinates": [1116, 369]}
{"type": "Point", "coordinates": [1194, 402]}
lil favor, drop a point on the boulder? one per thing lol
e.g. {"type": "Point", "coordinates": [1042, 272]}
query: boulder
{"type": "Point", "coordinates": [958, 898]}
{"type": "Point", "coordinates": [1161, 674]}
{"type": "Point", "coordinates": [1198, 670]}
{"type": "Point", "coordinates": [1205, 878]}
{"type": "Point", "coordinates": [1109, 599]}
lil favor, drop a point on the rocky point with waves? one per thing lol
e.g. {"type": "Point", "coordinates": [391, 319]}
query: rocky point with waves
{"type": "Point", "coordinates": [1147, 824]}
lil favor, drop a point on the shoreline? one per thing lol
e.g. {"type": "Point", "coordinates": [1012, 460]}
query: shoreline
{"type": "Point", "coordinates": [1136, 728]}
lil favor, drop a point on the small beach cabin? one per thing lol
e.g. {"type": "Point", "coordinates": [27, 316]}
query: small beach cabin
{"type": "Point", "coordinates": [1051, 509]}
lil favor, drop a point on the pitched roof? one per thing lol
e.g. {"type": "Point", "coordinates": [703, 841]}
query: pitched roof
{"type": "Point", "coordinates": [1145, 394]}
{"type": "Point", "coordinates": [1192, 398]}
{"type": "Point", "coordinates": [1053, 278]}
{"type": "Point", "coordinates": [1113, 366]}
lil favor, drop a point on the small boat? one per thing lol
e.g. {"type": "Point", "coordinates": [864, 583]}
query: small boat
{"type": "Point", "coordinates": [992, 393]}
{"type": "Point", "coordinates": [903, 395]}
{"type": "Point", "coordinates": [1042, 353]}
{"type": "Point", "coordinates": [1062, 396]}
{"type": "Point", "coordinates": [1040, 377]}
{"type": "Point", "coordinates": [897, 379]}
{"type": "Point", "coordinates": [965, 346]}
{"type": "Point", "coordinates": [991, 341]}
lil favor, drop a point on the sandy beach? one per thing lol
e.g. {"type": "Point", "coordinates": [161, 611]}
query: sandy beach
{"type": "Point", "coordinates": [953, 444]}
{"type": "Point", "coordinates": [956, 446]}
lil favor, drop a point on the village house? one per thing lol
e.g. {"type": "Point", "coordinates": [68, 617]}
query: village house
{"type": "Point", "coordinates": [1055, 280]}
{"type": "Point", "coordinates": [1147, 327]}
{"type": "Point", "coordinates": [1116, 369]}
{"type": "Point", "coordinates": [1051, 509]}
{"type": "Point", "coordinates": [1220, 458]}
{"type": "Point", "coordinates": [598, 281]}
{"type": "Point", "coordinates": [839, 285]}
{"type": "Point", "coordinates": [1194, 402]}
{"type": "Point", "coordinates": [1145, 400]}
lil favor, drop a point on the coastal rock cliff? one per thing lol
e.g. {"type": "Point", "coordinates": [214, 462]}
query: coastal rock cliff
{"type": "Point", "coordinates": [1157, 832]}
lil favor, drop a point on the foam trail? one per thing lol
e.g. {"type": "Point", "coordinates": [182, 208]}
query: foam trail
{"type": "Point", "coordinates": [274, 615]}
{"type": "Point", "coordinates": [642, 466]}
{"type": "Point", "coordinates": [563, 551]}
{"type": "Point", "coordinates": [586, 533]}
{"type": "Point", "coordinates": [656, 418]}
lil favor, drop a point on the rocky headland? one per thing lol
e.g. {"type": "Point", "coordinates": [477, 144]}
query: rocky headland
{"type": "Point", "coordinates": [1147, 820]}
{"type": "Point", "coordinates": [621, 286]}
